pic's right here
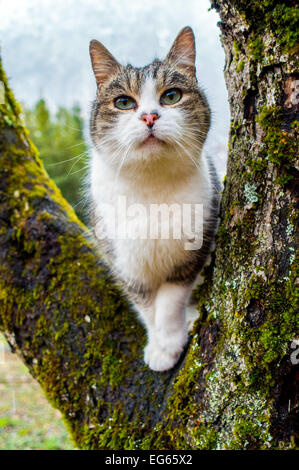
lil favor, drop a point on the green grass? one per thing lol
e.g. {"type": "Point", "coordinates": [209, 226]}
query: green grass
{"type": "Point", "coordinates": [27, 420]}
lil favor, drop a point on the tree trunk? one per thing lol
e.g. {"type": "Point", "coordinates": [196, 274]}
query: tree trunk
{"type": "Point", "coordinates": [62, 313]}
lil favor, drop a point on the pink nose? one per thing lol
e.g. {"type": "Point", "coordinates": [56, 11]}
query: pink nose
{"type": "Point", "coordinates": [150, 119]}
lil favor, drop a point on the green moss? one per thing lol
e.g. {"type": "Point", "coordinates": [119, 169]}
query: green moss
{"type": "Point", "coordinates": [270, 340]}
{"type": "Point", "coordinates": [237, 50]}
{"type": "Point", "coordinates": [116, 433]}
{"type": "Point", "coordinates": [278, 17]}
{"type": "Point", "coordinates": [240, 66]}
{"type": "Point", "coordinates": [258, 166]}
{"type": "Point", "coordinates": [248, 359]}
{"type": "Point", "coordinates": [246, 434]}
{"type": "Point", "coordinates": [256, 48]}
{"type": "Point", "coordinates": [223, 234]}
{"type": "Point", "coordinates": [279, 146]}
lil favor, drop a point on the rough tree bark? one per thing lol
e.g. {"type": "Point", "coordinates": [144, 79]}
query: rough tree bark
{"type": "Point", "coordinates": [60, 311]}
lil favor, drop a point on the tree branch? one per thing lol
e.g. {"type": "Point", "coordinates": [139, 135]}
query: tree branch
{"type": "Point", "coordinates": [59, 308]}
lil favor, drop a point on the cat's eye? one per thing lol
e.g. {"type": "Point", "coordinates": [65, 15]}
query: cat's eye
{"type": "Point", "coordinates": [171, 96]}
{"type": "Point", "coordinates": [125, 102]}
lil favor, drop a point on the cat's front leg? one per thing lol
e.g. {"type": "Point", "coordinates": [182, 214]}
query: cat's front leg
{"type": "Point", "coordinates": [146, 314]}
{"type": "Point", "coordinates": [169, 335]}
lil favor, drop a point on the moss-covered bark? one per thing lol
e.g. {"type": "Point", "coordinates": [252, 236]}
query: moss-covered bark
{"type": "Point", "coordinates": [236, 386]}
{"type": "Point", "coordinates": [59, 308]}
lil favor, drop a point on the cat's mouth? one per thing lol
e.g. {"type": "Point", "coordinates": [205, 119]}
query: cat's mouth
{"type": "Point", "coordinates": [151, 140]}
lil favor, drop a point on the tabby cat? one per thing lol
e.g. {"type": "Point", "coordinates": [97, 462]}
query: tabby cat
{"type": "Point", "coordinates": [148, 126]}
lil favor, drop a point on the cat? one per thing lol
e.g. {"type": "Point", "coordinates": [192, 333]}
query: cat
{"type": "Point", "coordinates": [148, 126]}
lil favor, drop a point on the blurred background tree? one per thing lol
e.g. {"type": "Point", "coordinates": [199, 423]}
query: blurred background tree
{"type": "Point", "coordinates": [62, 147]}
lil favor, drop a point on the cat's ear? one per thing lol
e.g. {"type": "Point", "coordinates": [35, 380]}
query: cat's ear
{"type": "Point", "coordinates": [103, 63]}
{"type": "Point", "coordinates": [182, 51]}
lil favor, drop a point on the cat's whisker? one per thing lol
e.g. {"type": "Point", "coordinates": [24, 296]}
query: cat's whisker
{"type": "Point", "coordinates": [65, 161]}
{"type": "Point", "coordinates": [122, 162]}
{"type": "Point", "coordinates": [76, 145]}
{"type": "Point", "coordinates": [188, 154]}
{"type": "Point", "coordinates": [77, 171]}
{"type": "Point", "coordinates": [83, 168]}
{"type": "Point", "coordinates": [197, 140]}
{"type": "Point", "coordinates": [82, 155]}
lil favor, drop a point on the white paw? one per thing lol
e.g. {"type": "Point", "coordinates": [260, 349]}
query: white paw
{"type": "Point", "coordinates": [160, 358]}
{"type": "Point", "coordinates": [172, 341]}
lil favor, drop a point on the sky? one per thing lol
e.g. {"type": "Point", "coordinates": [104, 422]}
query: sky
{"type": "Point", "coordinates": [44, 48]}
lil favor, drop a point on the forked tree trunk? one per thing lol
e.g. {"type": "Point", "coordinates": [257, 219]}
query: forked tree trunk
{"type": "Point", "coordinates": [60, 311]}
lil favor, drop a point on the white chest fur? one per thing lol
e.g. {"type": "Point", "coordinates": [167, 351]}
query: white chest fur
{"type": "Point", "coordinates": [143, 249]}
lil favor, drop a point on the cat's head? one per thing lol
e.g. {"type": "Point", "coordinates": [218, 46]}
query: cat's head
{"type": "Point", "coordinates": [143, 114]}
